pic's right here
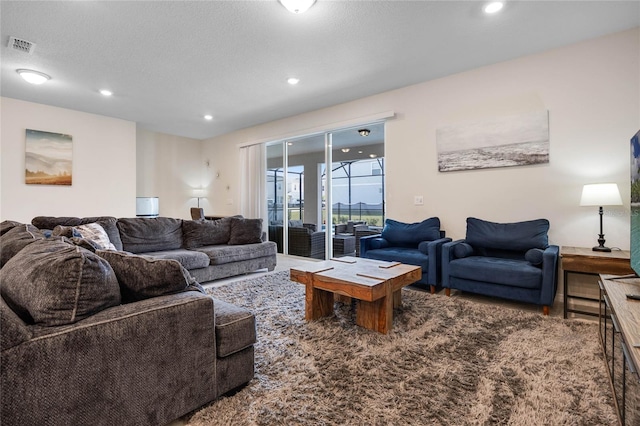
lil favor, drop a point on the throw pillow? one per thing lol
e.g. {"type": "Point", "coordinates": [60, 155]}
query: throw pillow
{"type": "Point", "coordinates": [16, 239]}
{"type": "Point", "coordinates": [245, 231]}
{"type": "Point", "coordinates": [534, 256]}
{"type": "Point", "coordinates": [462, 250]}
{"type": "Point", "coordinates": [51, 282]}
{"type": "Point", "coordinates": [62, 231]}
{"type": "Point", "coordinates": [295, 223]}
{"type": "Point", "coordinates": [411, 234]}
{"type": "Point", "coordinates": [107, 222]}
{"type": "Point", "coordinates": [95, 233]}
{"type": "Point", "coordinates": [199, 233]}
{"type": "Point", "coordinates": [143, 277]}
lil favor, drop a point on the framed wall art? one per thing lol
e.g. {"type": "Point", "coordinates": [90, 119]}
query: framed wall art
{"type": "Point", "coordinates": [516, 140]}
{"type": "Point", "coordinates": [48, 158]}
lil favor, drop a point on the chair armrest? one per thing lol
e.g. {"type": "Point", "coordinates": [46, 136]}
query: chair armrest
{"type": "Point", "coordinates": [433, 249]}
{"type": "Point", "coordinates": [549, 275]}
{"type": "Point", "coordinates": [317, 245]}
{"type": "Point", "coordinates": [447, 256]}
{"type": "Point", "coordinates": [371, 242]}
{"type": "Point", "coordinates": [311, 226]}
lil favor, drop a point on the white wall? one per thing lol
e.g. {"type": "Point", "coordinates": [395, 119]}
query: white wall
{"type": "Point", "coordinates": [104, 164]}
{"type": "Point", "coordinates": [591, 91]}
{"type": "Point", "coordinates": [170, 167]}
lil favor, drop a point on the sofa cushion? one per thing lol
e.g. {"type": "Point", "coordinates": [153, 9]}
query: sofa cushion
{"type": "Point", "coordinates": [51, 282]}
{"type": "Point", "coordinates": [17, 238]}
{"type": "Point", "coordinates": [143, 277]}
{"type": "Point", "coordinates": [410, 256]}
{"type": "Point", "coordinates": [245, 231]}
{"type": "Point", "coordinates": [222, 254]}
{"type": "Point", "coordinates": [107, 222]}
{"type": "Point", "coordinates": [94, 232]}
{"type": "Point", "coordinates": [235, 328]}
{"type": "Point", "coordinates": [411, 234]}
{"type": "Point", "coordinates": [144, 234]}
{"type": "Point", "coordinates": [8, 225]}
{"type": "Point", "coordinates": [296, 223]}
{"type": "Point", "coordinates": [508, 272]}
{"type": "Point", "coordinates": [190, 259]}
{"type": "Point", "coordinates": [518, 236]}
{"type": "Point", "coordinates": [199, 233]}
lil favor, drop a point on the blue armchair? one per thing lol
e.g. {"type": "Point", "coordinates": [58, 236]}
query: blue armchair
{"type": "Point", "coordinates": [508, 260]}
{"type": "Point", "coordinates": [417, 244]}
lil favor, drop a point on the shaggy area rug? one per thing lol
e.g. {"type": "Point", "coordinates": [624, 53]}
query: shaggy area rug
{"type": "Point", "coordinates": [447, 362]}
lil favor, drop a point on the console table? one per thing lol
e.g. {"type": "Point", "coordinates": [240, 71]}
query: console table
{"type": "Point", "coordinates": [585, 261]}
{"type": "Point", "coordinates": [619, 320]}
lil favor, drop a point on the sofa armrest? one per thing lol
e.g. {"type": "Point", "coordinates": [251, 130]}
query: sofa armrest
{"type": "Point", "coordinates": [141, 363]}
{"type": "Point", "coordinates": [549, 275]}
{"type": "Point", "coordinates": [14, 330]}
{"type": "Point", "coordinates": [447, 257]}
{"type": "Point", "coordinates": [372, 242]}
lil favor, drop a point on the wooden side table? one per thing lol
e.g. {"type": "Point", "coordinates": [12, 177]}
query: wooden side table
{"type": "Point", "coordinates": [582, 260]}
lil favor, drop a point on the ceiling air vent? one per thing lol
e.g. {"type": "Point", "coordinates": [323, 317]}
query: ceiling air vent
{"type": "Point", "coordinates": [21, 45]}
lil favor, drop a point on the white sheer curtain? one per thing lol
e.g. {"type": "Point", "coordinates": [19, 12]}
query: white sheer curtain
{"type": "Point", "coordinates": [253, 198]}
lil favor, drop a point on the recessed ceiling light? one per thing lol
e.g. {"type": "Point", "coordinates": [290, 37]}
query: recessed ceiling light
{"type": "Point", "coordinates": [105, 92]}
{"type": "Point", "coordinates": [33, 77]}
{"type": "Point", "coordinates": [346, 149]}
{"type": "Point", "coordinates": [359, 152]}
{"type": "Point", "coordinates": [364, 132]}
{"type": "Point", "coordinates": [493, 7]}
{"type": "Point", "coordinates": [293, 80]}
{"type": "Point", "coordinates": [289, 143]}
{"type": "Point", "coordinates": [297, 6]}
{"type": "Point", "coordinates": [372, 155]}
{"type": "Point", "coordinates": [208, 117]}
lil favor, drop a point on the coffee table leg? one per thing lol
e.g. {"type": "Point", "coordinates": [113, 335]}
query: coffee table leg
{"type": "Point", "coordinates": [376, 315]}
{"type": "Point", "coordinates": [318, 303]}
{"type": "Point", "coordinates": [397, 299]}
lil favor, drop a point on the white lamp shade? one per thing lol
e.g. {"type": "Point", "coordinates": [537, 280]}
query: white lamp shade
{"type": "Point", "coordinates": [199, 193]}
{"type": "Point", "coordinates": [297, 6]}
{"type": "Point", "coordinates": [601, 194]}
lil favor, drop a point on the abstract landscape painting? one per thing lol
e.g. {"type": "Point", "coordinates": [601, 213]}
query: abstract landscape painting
{"type": "Point", "coordinates": [517, 140]}
{"type": "Point", "coordinates": [48, 158]}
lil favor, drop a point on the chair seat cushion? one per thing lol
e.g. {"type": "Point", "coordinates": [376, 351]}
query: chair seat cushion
{"type": "Point", "coordinates": [508, 272]}
{"type": "Point", "coordinates": [221, 254]}
{"type": "Point", "coordinates": [410, 256]}
{"type": "Point", "coordinates": [235, 328]}
{"type": "Point", "coordinates": [189, 259]}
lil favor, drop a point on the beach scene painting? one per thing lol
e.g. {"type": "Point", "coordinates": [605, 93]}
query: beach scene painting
{"type": "Point", "coordinates": [48, 158]}
{"type": "Point", "coordinates": [516, 140]}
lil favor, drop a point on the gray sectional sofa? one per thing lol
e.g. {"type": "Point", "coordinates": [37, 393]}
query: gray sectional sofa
{"type": "Point", "coordinates": [106, 337]}
{"type": "Point", "coordinates": [209, 250]}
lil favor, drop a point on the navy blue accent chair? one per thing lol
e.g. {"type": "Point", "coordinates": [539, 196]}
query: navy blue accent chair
{"type": "Point", "coordinates": [417, 244]}
{"type": "Point", "coordinates": [507, 260]}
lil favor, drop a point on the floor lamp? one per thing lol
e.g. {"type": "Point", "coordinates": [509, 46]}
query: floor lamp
{"type": "Point", "coordinates": [601, 194]}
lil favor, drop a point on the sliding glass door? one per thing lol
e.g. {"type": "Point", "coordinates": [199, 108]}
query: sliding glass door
{"type": "Point", "coordinates": [312, 207]}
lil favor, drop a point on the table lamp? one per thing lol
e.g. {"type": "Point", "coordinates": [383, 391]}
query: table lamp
{"type": "Point", "coordinates": [601, 194]}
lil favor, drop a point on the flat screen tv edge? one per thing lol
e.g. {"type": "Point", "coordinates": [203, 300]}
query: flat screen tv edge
{"type": "Point", "coordinates": [635, 203]}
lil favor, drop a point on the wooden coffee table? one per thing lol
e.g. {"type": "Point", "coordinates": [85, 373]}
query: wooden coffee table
{"type": "Point", "coordinates": [375, 285]}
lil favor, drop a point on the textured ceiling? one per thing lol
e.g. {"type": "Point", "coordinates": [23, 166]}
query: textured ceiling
{"type": "Point", "coordinates": [170, 62]}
